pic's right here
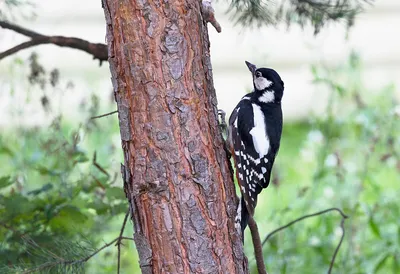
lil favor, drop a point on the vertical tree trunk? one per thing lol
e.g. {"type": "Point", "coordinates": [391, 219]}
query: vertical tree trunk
{"type": "Point", "coordinates": [176, 173]}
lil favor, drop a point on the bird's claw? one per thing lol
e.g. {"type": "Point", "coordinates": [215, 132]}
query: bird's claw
{"type": "Point", "coordinates": [222, 121]}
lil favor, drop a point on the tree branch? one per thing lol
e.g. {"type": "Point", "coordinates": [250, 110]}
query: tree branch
{"type": "Point", "coordinates": [74, 262]}
{"type": "Point", "coordinates": [344, 217]}
{"type": "Point", "coordinates": [118, 244]}
{"type": "Point", "coordinates": [104, 115]}
{"type": "Point", "coordinates": [338, 246]}
{"type": "Point", "coordinates": [255, 235]}
{"type": "Point", "coordinates": [209, 14]}
{"type": "Point", "coordinates": [99, 167]}
{"type": "Point", "coordinates": [98, 50]}
{"type": "Point", "coordinates": [18, 29]}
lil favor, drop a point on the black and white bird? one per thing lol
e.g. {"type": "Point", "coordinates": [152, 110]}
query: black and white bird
{"type": "Point", "coordinates": [255, 128]}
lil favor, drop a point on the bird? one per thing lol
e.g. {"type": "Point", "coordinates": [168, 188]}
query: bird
{"type": "Point", "coordinates": [254, 135]}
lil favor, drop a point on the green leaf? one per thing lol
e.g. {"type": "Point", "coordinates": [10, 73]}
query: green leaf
{"type": "Point", "coordinates": [114, 193]}
{"type": "Point", "coordinates": [5, 181]}
{"type": "Point", "coordinates": [100, 207]}
{"type": "Point", "coordinates": [381, 262]}
{"type": "Point", "coordinates": [5, 150]}
{"type": "Point", "coordinates": [44, 188]}
{"type": "Point", "coordinates": [68, 218]}
{"type": "Point", "coordinates": [43, 170]}
{"type": "Point", "coordinates": [16, 205]}
{"type": "Point", "coordinates": [396, 264]}
{"type": "Point", "coordinates": [340, 90]}
{"type": "Point", "coordinates": [119, 208]}
{"type": "Point", "coordinates": [46, 171]}
{"type": "Point", "coordinates": [374, 227]}
{"type": "Point", "coordinates": [81, 158]}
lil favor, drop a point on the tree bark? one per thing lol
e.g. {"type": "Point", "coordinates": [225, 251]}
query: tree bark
{"type": "Point", "coordinates": [176, 173]}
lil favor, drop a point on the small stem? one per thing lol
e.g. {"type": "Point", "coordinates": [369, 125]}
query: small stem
{"type": "Point", "coordinates": [344, 216]}
{"type": "Point", "coordinates": [104, 115]}
{"type": "Point", "coordinates": [255, 235]}
{"type": "Point", "coordinates": [119, 240]}
{"type": "Point", "coordinates": [338, 246]}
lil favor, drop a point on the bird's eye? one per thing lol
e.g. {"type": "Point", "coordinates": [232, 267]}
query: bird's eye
{"type": "Point", "coordinates": [258, 74]}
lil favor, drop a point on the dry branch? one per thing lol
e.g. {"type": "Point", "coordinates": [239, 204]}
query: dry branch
{"type": "Point", "coordinates": [255, 235]}
{"type": "Point", "coordinates": [344, 217]}
{"type": "Point", "coordinates": [98, 50]}
{"type": "Point", "coordinates": [118, 244]}
{"type": "Point", "coordinates": [104, 115]}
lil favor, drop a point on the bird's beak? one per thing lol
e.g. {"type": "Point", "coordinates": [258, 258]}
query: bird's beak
{"type": "Point", "coordinates": [251, 67]}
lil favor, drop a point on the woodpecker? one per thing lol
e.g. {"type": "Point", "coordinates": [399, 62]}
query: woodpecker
{"type": "Point", "coordinates": [254, 134]}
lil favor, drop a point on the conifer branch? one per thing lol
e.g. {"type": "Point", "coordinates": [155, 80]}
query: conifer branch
{"type": "Point", "coordinates": [60, 261]}
{"type": "Point", "coordinates": [313, 12]}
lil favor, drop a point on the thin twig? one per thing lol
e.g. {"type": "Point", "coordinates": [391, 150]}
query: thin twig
{"type": "Point", "coordinates": [99, 167]}
{"type": "Point", "coordinates": [94, 253]}
{"type": "Point", "coordinates": [255, 235]}
{"type": "Point", "coordinates": [104, 115]}
{"type": "Point", "coordinates": [344, 217]}
{"type": "Point", "coordinates": [128, 238]}
{"type": "Point", "coordinates": [98, 50]}
{"type": "Point", "coordinates": [302, 218]}
{"type": "Point", "coordinates": [338, 246]}
{"type": "Point", "coordinates": [98, 182]}
{"type": "Point", "coordinates": [18, 29]}
{"type": "Point", "coordinates": [24, 45]}
{"type": "Point", "coordinates": [120, 238]}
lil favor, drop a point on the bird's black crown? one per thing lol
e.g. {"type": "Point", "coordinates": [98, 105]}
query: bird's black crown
{"type": "Point", "coordinates": [270, 75]}
{"type": "Point", "coordinates": [266, 80]}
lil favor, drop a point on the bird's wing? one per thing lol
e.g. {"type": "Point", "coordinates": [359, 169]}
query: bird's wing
{"type": "Point", "coordinates": [251, 150]}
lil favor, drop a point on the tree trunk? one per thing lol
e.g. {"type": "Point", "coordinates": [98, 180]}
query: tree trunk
{"type": "Point", "coordinates": [176, 173]}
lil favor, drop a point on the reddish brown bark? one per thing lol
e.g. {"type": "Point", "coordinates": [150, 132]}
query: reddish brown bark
{"type": "Point", "coordinates": [176, 173]}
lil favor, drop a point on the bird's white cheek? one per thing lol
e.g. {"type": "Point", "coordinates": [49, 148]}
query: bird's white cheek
{"type": "Point", "coordinates": [262, 83]}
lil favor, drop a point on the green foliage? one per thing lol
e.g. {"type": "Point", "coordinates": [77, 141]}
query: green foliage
{"type": "Point", "coordinates": [348, 157]}
{"type": "Point", "coordinates": [61, 195]}
{"type": "Point", "coordinates": [5, 181]}
{"type": "Point", "coordinates": [313, 12]}
{"type": "Point", "coordinates": [63, 256]}
{"type": "Point", "coordinates": [60, 188]}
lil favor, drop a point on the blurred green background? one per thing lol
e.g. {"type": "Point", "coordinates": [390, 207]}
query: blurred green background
{"type": "Point", "coordinates": [60, 184]}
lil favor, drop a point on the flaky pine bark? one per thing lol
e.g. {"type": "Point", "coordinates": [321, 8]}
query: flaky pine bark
{"type": "Point", "coordinates": [176, 173]}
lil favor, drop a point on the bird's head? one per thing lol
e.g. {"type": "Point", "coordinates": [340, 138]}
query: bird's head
{"type": "Point", "coordinates": [267, 80]}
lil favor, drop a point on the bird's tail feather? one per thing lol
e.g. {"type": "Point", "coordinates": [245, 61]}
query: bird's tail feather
{"type": "Point", "coordinates": [242, 217]}
{"type": "Point", "coordinates": [245, 216]}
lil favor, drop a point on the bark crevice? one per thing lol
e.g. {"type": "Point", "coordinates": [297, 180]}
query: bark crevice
{"type": "Point", "coordinates": [176, 173]}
